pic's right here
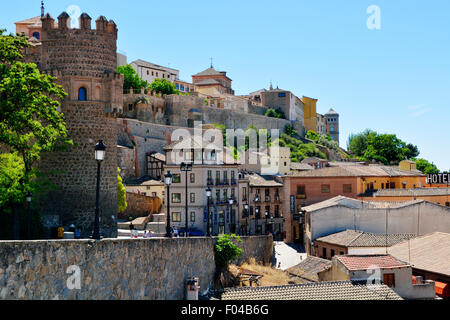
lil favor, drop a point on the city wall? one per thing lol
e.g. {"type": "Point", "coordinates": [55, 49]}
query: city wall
{"type": "Point", "coordinates": [113, 269]}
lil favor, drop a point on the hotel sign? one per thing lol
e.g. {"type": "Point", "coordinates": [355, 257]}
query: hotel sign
{"type": "Point", "coordinates": [438, 178]}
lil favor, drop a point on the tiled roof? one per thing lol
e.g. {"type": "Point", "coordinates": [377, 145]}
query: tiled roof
{"type": "Point", "coordinates": [34, 20]}
{"type": "Point", "coordinates": [209, 72]}
{"type": "Point", "coordinates": [412, 192]}
{"type": "Point", "coordinates": [313, 159]}
{"type": "Point", "coordinates": [207, 82]}
{"type": "Point", "coordinates": [310, 267]}
{"type": "Point", "coordinates": [429, 252]}
{"type": "Point", "coordinates": [194, 142]}
{"type": "Point", "coordinates": [352, 238]}
{"type": "Point", "coordinates": [357, 170]}
{"type": "Point", "coordinates": [147, 64]}
{"type": "Point", "coordinates": [159, 156]}
{"type": "Point", "coordinates": [257, 180]}
{"type": "Point", "coordinates": [366, 262]}
{"type": "Point", "coordinates": [331, 112]}
{"type": "Point", "coordinates": [338, 290]}
{"type": "Point", "coordinates": [301, 166]}
{"type": "Point", "coordinates": [357, 204]}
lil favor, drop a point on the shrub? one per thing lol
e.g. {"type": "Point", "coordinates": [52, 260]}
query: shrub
{"type": "Point", "coordinates": [226, 250]}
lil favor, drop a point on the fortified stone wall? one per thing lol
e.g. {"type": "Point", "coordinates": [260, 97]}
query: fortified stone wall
{"type": "Point", "coordinates": [111, 269]}
{"type": "Point", "coordinates": [83, 61]}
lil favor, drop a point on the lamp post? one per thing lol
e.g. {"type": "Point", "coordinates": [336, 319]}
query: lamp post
{"type": "Point", "coordinates": [168, 181]}
{"type": "Point", "coordinates": [267, 221]}
{"type": "Point", "coordinates": [29, 198]}
{"type": "Point", "coordinates": [100, 151]}
{"type": "Point", "coordinates": [246, 218]}
{"type": "Point", "coordinates": [208, 196]}
{"type": "Point", "coordinates": [231, 226]}
{"type": "Point", "coordinates": [186, 167]}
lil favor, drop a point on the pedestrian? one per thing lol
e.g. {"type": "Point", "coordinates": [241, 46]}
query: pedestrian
{"type": "Point", "coordinates": [132, 229]}
{"type": "Point", "coordinates": [150, 234]}
{"type": "Point", "coordinates": [175, 232]}
{"type": "Point", "coordinates": [145, 234]}
{"type": "Point", "coordinates": [279, 265]}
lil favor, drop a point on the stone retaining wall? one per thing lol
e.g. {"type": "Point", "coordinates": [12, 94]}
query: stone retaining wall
{"type": "Point", "coordinates": [113, 269]}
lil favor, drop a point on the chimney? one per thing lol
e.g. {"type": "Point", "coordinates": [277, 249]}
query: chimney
{"type": "Point", "coordinates": [47, 22]}
{"type": "Point", "coordinates": [192, 289]}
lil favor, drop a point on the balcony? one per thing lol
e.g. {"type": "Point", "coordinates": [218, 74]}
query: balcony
{"type": "Point", "coordinates": [210, 182]}
{"type": "Point", "coordinates": [233, 182]}
{"type": "Point", "coordinates": [268, 199]}
{"type": "Point", "coordinates": [277, 199]}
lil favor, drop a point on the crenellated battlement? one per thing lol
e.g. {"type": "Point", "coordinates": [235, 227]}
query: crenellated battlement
{"type": "Point", "coordinates": [102, 24]}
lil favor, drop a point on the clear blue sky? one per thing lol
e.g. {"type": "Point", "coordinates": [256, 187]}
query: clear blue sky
{"type": "Point", "coordinates": [394, 80]}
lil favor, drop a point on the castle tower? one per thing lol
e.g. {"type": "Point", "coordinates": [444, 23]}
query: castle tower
{"type": "Point", "coordinates": [84, 62]}
{"type": "Point", "coordinates": [332, 120]}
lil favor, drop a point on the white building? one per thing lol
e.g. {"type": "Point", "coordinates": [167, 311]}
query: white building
{"type": "Point", "coordinates": [149, 72]}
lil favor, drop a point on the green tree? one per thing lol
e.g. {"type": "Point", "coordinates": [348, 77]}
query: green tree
{"type": "Point", "coordinates": [226, 250]}
{"type": "Point", "coordinates": [30, 122]}
{"type": "Point", "coordinates": [312, 135]}
{"type": "Point", "coordinates": [426, 167]}
{"type": "Point", "coordinates": [163, 86]}
{"type": "Point", "coordinates": [412, 151]}
{"type": "Point", "coordinates": [11, 175]}
{"type": "Point", "coordinates": [357, 143]}
{"type": "Point", "coordinates": [275, 113]}
{"type": "Point", "coordinates": [290, 131]}
{"type": "Point", "coordinates": [121, 194]}
{"type": "Point", "coordinates": [131, 79]}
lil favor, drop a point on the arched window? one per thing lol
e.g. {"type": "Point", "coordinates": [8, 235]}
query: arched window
{"type": "Point", "coordinates": [82, 94]}
{"type": "Point", "coordinates": [332, 128]}
{"type": "Point", "coordinates": [36, 35]}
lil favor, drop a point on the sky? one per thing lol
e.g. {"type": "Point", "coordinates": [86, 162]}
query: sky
{"type": "Point", "coordinates": [393, 79]}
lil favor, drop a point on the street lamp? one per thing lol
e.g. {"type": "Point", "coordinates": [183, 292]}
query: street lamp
{"type": "Point", "coordinates": [231, 226]}
{"type": "Point", "coordinates": [186, 167]}
{"type": "Point", "coordinates": [246, 218]}
{"type": "Point", "coordinates": [168, 181]}
{"type": "Point", "coordinates": [208, 196]}
{"type": "Point", "coordinates": [267, 221]}
{"type": "Point", "coordinates": [100, 151]}
{"type": "Point", "coordinates": [29, 198]}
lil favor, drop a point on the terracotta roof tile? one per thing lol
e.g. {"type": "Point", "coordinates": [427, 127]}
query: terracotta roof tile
{"type": "Point", "coordinates": [365, 262]}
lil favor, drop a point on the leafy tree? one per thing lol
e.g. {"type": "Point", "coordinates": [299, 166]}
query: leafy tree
{"type": "Point", "coordinates": [11, 175]}
{"type": "Point", "coordinates": [426, 167]}
{"type": "Point", "coordinates": [121, 194]}
{"type": "Point", "coordinates": [226, 250]}
{"type": "Point", "coordinates": [30, 122]}
{"type": "Point", "coordinates": [163, 86]}
{"type": "Point", "coordinates": [131, 78]}
{"type": "Point", "coordinates": [357, 143]}
{"type": "Point", "coordinates": [312, 135]}
{"type": "Point", "coordinates": [289, 130]}
{"type": "Point", "coordinates": [275, 113]}
{"type": "Point", "coordinates": [412, 151]}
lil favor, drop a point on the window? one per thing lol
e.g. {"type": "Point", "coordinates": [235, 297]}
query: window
{"type": "Point", "coordinates": [176, 178]}
{"type": "Point", "coordinates": [192, 216]}
{"type": "Point", "coordinates": [130, 107]}
{"type": "Point", "coordinates": [233, 193]}
{"type": "Point", "coordinates": [182, 87]}
{"type": "Point", "coordinates": [217, 195]}
{"type": "Point", "coordinates": [324, 253]}
{"type": "Point", "coordinates": [301, 189]}
{"type": "Point", "coordinates": [389, 279]}
{"type": "Point", "coordinates": [177, 86]}
{"type": "Point", "coordinates": [332, 253]}
{"type": "Point", "coordinates": [392, 185]}
{"type": "Point", "coordinates": [325, 188]}
{"type": "Point", "coordinates": [157, 74]}
{"type": "Point", "coordinates": [225, 195]}
{"type": "Point", "coordinates": [154, 194]}
{"type": "Point", "coordinates": [404, 185]}
{"type": "Point", "coordinates": [281, 94]}
{"type": "Point", "coordinates": [244, 194]}
{"type": "Point", "coordinates": [153, 73]}
{"type": "Point", "coordinates": [382, 186]}
{"type": "Point", "coordinates": [347, 188]}
{"type": "Point", "coordinates": [447, 204]}
{"type": "Point", "coordinates": [225, 176]}
{"type": "Point", "coordinates": [192, 177]}
{"type": "Point", "coordinates": [148, 72]}
{"type": "Point", "coordinates": [342, 253]}
{"type": "Point", "coordinates": [192, 197]}
{"type": "Point", "coordinates": [36, 35]}
{"type": "Point", "coordinates": [82, 94]}
{"type": "Point", "coordinates": [332, 128]}
{"type": "Point", "coordinates": [176, 197]}
{"type": "Point", "coordinates": [176, 216]}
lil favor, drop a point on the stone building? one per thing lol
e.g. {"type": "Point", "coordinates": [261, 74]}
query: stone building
{"type": "Point", "coordinates": [149, 72]}
{"type": "Point", "coordinates": [84, 61]}
{"type": "Point", "coordinates": [332, 119]}
{"type": "Point", "coordinates": [212, 82]}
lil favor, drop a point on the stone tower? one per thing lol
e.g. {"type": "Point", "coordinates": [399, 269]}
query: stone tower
{"type": "Point", "coordinates": [332, 120]}
{"type": "Point", "coordinates": [84, 62]}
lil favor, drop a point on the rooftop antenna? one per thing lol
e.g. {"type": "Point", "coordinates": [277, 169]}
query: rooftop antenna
{"type": "Point", "coordinates": [42, 9]}
{"type": "Point", "coordinates": [211, 62]}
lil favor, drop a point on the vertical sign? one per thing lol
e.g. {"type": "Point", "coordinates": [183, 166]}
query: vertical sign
{"type": "Point", "coordinates": [293, 204]}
